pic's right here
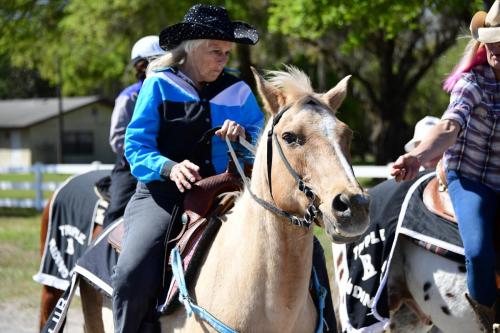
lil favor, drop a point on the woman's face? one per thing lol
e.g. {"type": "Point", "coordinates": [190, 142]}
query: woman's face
{"type": "Point", "coordinates": [493, 55]}
{"type": "Point", "coordinates": [209, 59]}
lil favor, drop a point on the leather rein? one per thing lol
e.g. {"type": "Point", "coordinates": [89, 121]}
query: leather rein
{"type": "Point", "coordinates": [312, 211]}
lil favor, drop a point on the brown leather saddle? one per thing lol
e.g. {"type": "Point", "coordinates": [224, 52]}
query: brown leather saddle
{"type": "Point", "coordinates": [437, 200]}
{"type": "Point", "coordinates": [205, 198]}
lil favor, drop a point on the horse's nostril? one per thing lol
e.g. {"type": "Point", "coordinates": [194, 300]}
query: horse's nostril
{"type": "Point", "coordinates": [340, 203]}
{"type": "Point", "coordinates": [361, 200]}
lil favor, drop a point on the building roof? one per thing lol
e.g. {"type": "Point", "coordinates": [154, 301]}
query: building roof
{"type": "Point", "coordinates": [19, 113]}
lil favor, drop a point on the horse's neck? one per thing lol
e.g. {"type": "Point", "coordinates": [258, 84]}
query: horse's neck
{"type": "Point", "coordinates": [267, 260]}
{"type": "Point", "coordinates": [274, 253]}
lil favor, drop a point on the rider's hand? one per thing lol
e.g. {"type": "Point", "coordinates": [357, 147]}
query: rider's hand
{"type": "Point", "coordinates": [232, 129]}
{"type": "Point", "coordinates": [405, 168]}
{"type": "Point", "coordinates": [183, 174]}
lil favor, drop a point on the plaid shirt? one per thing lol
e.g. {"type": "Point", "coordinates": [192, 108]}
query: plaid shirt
{"type": "Point", "coordinates": [475, 105]}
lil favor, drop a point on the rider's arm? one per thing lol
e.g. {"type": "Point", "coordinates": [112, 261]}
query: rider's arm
{"type": "Point", "coordinates": [122, 113]}
{"type": "Point", "coordinates": [440, 137]}
{"type": "Point", "coordinates": [141, 150]}
{"type": "Point", "coordinates": [465, 96]}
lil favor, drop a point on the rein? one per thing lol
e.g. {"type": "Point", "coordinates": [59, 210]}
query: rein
{"type": "Point", "coordinates": [312, 210]}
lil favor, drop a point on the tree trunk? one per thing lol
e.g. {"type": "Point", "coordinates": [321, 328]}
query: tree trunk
{"type": "Point", "coordinates": [391, 132]}
{"type": "Point", "coordinates": [245, 61]}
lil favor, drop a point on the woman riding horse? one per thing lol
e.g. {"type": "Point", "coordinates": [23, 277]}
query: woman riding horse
{"type": "Point", "coordinates": [186, 93]}
{"type": "Point", "coordinates": [468, 135]}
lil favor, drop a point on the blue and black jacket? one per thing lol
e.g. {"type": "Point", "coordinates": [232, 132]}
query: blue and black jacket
{"type": "Point", "coordinates": [171, 116]}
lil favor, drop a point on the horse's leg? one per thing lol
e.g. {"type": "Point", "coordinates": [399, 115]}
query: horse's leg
{"type": "Point", "coordinates": [50, 295]}
{"type": "Point", "coordinates": [92, 301]}
{"type": "Point", "coordinates": [438, 286]}
{"type": "Point", "coordinates": [406, 315]}
{"type": "Point", "coordinates": [107, 315]}
{"type": "Point", "coordinates": [92, 307]}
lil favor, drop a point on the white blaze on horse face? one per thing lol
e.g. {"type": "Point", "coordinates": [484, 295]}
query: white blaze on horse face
{"type": "Point", "coordinates": [328, 125]}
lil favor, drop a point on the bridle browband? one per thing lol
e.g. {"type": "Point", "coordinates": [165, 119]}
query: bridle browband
{"type": "Point", "coordinates": [312, 210]}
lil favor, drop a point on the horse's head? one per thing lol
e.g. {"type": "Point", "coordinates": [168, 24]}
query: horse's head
{"type": "Point", "coordinates": [305, 133]}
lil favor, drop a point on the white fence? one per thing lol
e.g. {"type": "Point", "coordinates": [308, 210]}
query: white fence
{"type": "Point", "coordinates": [38, 185]}
{"type": "Point", "coordinates": [361, 171]}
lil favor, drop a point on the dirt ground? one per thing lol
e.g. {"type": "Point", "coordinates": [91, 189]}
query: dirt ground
{"type": "Point", "coordinates": [21, 316]}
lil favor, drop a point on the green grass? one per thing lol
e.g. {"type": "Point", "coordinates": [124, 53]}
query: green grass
{"type": "Point", "coordinates": [22, 194]}
{"type": "Point", "coordinates": [19, 256]}
{"type": "Point", "coordinates": [30, 177]}
{"type": "Point", "coordinates": [327, 247]}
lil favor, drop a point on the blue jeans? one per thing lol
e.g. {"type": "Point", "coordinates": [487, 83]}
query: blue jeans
{"type": "Point", "coordinates": [475, 206]}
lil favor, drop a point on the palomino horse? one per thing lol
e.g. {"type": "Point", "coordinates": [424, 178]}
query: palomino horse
{"type": "Point", "coordinates": [256, 275]}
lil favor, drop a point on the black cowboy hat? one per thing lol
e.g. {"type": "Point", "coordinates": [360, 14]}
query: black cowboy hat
{"type": "Point", "coordinates": [207, 22]}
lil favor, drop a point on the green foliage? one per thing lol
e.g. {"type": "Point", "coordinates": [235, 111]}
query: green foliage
{"type": "Point", "coordinates": [84, 43]}
{"type": "Point", "coordinates": [429, 99]}
{"type": "Point", "coordinates": [359, 19]}
{"type": "Point", "coordinates": [388, 46]}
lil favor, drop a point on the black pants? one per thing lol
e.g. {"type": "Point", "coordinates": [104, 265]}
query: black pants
{"type": "Point", "coordinates": [319, 263]}
{"type": "Point", "coordinates": [121, 190]}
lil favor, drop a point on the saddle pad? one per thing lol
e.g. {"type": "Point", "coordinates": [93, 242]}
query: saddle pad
{"type": "Point", "coordinates": [74, 210]}
{"type": "Point", "coordinates": [395, 209]}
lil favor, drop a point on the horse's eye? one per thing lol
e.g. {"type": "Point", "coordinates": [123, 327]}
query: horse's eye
{"type": "Point", "coordinates": [290, 138]}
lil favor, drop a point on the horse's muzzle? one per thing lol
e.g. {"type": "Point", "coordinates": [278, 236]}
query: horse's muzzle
{"type": "Point", "coordinates": [344, 207]}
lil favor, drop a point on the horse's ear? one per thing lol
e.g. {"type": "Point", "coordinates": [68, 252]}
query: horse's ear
{"type": "Point", "coordinates": [335, 96]}
{"type": "Point", "coordinates": [271, 96]}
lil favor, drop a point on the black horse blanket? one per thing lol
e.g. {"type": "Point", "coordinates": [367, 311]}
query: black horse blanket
{"type": "Point", "coordinates": [395, 209]}
{"type": "Point", "coordinates": [74, 210]}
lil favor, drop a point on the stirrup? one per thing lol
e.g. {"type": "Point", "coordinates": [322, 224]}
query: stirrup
{"type": "Point", "coordinates": [486, 323]}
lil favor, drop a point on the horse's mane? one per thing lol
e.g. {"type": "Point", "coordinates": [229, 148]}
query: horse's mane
{"type": "Point", "coordinates": [294, 81]}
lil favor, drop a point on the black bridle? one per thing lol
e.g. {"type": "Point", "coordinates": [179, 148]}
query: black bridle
{"type": "Point", "coordinates": [312, 210]}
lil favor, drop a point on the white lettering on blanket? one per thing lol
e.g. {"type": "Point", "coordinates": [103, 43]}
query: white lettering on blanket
{"type": "Point", "coordinates": [72, 231]}
{"type": "Point", "coordinates": [58, 259]}
{"type": "Point", "coordinates": [370, 239]}
{"type": "Point", "coordinates": [359, 293]}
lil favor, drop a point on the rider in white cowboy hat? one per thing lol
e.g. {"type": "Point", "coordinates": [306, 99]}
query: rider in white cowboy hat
{"type": "Point", "coordinates": [469, 136]}
{"type": "Point", "coordinates": [422, 128]}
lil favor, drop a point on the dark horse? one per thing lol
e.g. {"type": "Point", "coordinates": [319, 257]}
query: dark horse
{"type": "Point", "coordinates": [79, 193]}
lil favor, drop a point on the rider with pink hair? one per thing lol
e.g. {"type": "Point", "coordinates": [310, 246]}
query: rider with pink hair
{"type": "Point", "coordinates": [469, 136]}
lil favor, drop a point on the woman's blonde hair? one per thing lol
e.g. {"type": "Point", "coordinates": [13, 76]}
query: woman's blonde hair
{"type": "Point", "coordinates": [176, 56]}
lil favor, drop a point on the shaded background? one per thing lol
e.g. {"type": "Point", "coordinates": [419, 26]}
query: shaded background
{"type": "Point", "coordinates": [398, 52]}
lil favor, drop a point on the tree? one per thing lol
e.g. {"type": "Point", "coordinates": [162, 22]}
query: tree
{"type": "Point", "coordinates": [387, 45]}
{"type": "Point", "coordinates": [86, 44]}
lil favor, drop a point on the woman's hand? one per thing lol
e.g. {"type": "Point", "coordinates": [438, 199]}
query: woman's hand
{"type": "Point", "coordinates": [405, 168]}
{"type": "Point", "coordinates": [183, 174]}
{"type": "Point", "coordinates": [232, 129]}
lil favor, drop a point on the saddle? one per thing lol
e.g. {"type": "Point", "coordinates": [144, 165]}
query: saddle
{"type": "Point", "coordinates": [437, 200]}
{"type": "Point", "coordinates": [202, 200]}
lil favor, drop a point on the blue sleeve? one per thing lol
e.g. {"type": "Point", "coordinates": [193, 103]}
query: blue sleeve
{"type": "Point", "coordinates": [141, 148]}
{"type": "Point", "coordinates": [254, 124]}
{"type": "Point", "coordinates": [255, 118]}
